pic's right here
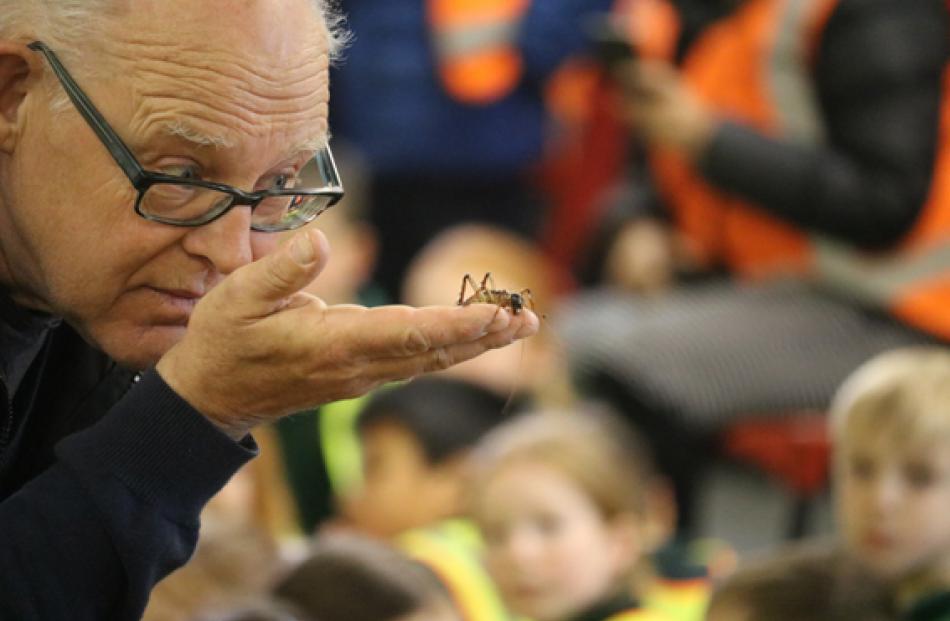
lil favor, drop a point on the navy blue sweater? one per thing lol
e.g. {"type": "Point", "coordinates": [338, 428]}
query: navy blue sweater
{"type": "Point", "coordinates": [102, 479]}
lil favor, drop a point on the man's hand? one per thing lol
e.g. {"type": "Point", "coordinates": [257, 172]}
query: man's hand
{"type": "Point", "coordinates": [257, 348]}
{"type": "Point", "coordinates": [663, 109]}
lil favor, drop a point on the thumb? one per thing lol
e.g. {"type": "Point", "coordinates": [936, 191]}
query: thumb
{"type": "Point", "coordinates": [263, 286]}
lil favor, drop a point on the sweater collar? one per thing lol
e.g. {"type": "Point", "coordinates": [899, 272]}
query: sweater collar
{"type": "Point", "coordinates": [22, 333]}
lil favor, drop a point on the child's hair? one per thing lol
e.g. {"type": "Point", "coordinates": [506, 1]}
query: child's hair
{"type": "Point", "coordinates": [597, 451]}
{"type": "Point", "coordinates": [445, 415]}
{"type": "Point", "coordinates": [815, 581]}
{"type": "Point", "coordinates": [359, 579]}
{"type": "Point", "coordinates": [904, 393]}
{"type": "Point", "coordinates": [514, 262]}
{"type": "Point", "coordinates": [232, 559]}
{"type": "Point", "coordinates": [259, 609]}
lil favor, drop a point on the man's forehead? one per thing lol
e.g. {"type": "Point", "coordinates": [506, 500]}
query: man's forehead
{"type": "Point", "coordinates": [279, 22]}
{"type": "Point", "coordinates": [264, 37]}
{"type": "Point", "coordinates": [216, 97]}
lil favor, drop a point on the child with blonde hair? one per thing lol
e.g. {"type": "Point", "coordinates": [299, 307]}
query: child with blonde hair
{"type": "Point", "coordinates": [560, 502]}
{"type": "Point", "coordinates": [891, 426]}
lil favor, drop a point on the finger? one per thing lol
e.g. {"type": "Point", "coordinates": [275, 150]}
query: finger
{"type": "Point", "coordinates": [442, 358]}
{"type": "Point", "coordinates": [529, 325]}
{"type": "Point", "coordinates": [262, 287]}
{"type": "Point", "coordinates": [403, 331]}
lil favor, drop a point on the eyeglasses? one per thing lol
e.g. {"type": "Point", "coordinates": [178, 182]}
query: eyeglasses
{"type": "Point", "coordinates": [191, 202]}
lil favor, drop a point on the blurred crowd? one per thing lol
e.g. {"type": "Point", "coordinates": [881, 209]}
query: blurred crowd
{"type": "Point", "coordinates": [733, 217]}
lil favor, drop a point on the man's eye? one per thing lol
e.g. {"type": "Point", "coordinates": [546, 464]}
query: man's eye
{"type": "Point", "coordinates": [188, 173]}
{"type": "Point", "coordinates": [283, 182]}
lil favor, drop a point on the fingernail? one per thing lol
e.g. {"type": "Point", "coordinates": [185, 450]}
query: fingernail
{"type": "Point", "coordinates": [301, 250]}
{"type": "Point", "coordinates": [500, 321]}
{"type": "Point", "coordinates": [528, 328]}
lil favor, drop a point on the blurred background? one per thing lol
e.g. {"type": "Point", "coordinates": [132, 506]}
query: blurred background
{"type": "Point", "coordinates": [720, 209]}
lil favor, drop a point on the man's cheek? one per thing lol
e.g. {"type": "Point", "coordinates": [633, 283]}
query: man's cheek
{"type": "Point", "coordinates": [263, 244]}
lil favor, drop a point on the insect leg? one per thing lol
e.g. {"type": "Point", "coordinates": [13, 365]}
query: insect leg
{"type": "Point", "coordinates": [471, 281]}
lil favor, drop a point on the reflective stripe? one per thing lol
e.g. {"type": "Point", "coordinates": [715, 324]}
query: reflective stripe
{"type": "Point", "coordinates": [639, 615]}
{"type": "Point", "coordinates": [464, 40]}
{"type": "Point", "coordinates": [877, 280]}
{"type": "Point", "coordinates": [452, 550]}
{"type": "Point", "coordinates": [476, 48]}
{"type": "Point", "coordinates": [788, 75]}
{"type": "Point", "coordinates": [679, 600]}
{"type": "Point", "coordinates": [340, 444]}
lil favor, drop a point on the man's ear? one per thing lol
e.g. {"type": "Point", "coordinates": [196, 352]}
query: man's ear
{"type": "Point", "coordinates": [18, 64]}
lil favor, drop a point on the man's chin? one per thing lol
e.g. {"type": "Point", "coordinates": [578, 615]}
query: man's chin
{"type": "Point", "coordinates": [138, 348]}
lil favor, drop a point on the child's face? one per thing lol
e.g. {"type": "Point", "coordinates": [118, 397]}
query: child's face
{"type": "Point", "coordinates": [401, 489]}
{"type": "Point", "coordinates": [894, 504]}
{"type": "Point", "coordinates": [549, 549]}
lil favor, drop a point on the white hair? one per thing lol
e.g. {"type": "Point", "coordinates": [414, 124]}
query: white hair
{"type": "Point", "coordinates": [62, 24]}
{"type": "Point", "coordinates": [57, 21]}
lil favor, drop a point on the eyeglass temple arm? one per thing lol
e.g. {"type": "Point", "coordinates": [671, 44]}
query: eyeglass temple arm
{"type": "Point", "coordinates": [120, 153]}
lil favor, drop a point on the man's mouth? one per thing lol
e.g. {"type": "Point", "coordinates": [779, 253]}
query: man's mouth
{"type": "Point", "coordinates": [176, 304]}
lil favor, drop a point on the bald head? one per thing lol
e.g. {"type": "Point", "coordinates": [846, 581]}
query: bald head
{"type": "Point", "coordinates": [61, 22]}
{"type": "Point", "coordinates": [229, 91]}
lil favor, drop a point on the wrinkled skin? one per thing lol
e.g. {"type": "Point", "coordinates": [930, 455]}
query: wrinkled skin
{"type": "Point", "coordinates": [215, 307]}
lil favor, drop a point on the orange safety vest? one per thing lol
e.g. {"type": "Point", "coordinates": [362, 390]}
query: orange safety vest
{"type": "Point", "coordinates": [755, 66]}
{"type": "Point", "coordinates": [474, 42]}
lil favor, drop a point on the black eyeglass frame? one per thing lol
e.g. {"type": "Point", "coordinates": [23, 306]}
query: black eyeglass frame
{"type": "Point", "coordinates": [142, 179]}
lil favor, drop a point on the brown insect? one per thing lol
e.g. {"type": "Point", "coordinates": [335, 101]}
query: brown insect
{"type": "Point", "coordinates": [485, 293]}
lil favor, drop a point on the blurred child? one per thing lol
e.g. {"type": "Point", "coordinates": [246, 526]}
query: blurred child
{"type": "Point", "coordinates": [257, 609]}
{"type": "Point", "coordinates": [562, 507]}
{"type": "Point", "coordinates": [415, 439]}
{"type": "Point", "coordinates": [891, 426]}
{"type": "Point", "coordinates": [535, 370]}
{"type": "Point", "coordinates": [813, 582]}
{"type": "Point", "coordinates": [891, 431]}
{"type": "Point", "coordinates": [349, 578]}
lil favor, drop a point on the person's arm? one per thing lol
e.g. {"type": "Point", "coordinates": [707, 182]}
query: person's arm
{"type": "Point", "coordinates": [878, 78]}
{"type": "Point", "coordinates": [88, 538]}
{"type": "Point", "coordinates": [118, 510]}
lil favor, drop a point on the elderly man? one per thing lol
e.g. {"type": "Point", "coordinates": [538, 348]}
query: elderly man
{"type": "Point", "coordinates": [148, 151]}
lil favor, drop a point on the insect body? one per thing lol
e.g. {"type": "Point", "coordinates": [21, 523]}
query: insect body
{"type": "Point", "coordinates": [486, 293]}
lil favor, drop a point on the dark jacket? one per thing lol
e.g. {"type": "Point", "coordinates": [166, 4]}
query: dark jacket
{"type": "Point", "coordinates": [102, 477]}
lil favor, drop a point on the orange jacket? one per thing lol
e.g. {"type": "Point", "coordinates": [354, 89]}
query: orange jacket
{"type": "Point", "coordinates": [755, 66]}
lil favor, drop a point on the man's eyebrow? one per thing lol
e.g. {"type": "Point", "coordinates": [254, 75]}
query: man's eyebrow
{"type": "Point", "coordinates": [311, 145]}
{"type": "Point", "coordinates": [181, 129]}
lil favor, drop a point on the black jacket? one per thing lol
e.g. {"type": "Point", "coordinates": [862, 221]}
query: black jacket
{"type": "Point", "coordinates": [102, 477]}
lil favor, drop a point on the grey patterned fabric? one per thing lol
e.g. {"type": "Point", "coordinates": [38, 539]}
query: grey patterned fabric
{"type": "Point", "coordinates": [718, 351]}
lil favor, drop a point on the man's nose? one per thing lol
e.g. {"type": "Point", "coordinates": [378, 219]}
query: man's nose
{"type": "Point", "coordinates": [225, 243]}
